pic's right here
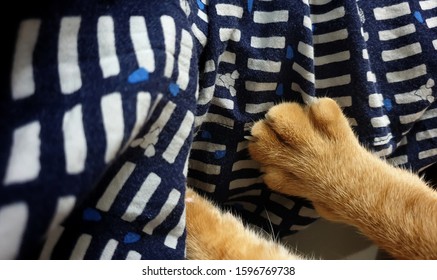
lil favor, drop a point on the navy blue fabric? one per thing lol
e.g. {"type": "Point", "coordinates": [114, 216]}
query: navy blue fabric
{"type": "Point", "coordinates": [108, 108]}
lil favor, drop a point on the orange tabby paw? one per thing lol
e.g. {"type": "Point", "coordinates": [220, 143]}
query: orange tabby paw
{"type": "Point", "coordinates": [304, 149]}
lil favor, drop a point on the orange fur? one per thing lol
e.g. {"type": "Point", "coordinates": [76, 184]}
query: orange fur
{"type": "Point", "coordinates": [312, 152]}
{"type": "Point", "coordinates": [214, 234]}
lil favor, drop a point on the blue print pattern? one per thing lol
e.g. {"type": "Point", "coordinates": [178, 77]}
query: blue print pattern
{"type": "Point", "coordinates": [109, 108]}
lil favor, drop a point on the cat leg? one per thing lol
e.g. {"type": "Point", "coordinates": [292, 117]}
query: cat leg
{"type": "Point", "coordinates": [214, 234]}
{"type": "Point", "coordinates": [311, 151]}
{"type": "Point", "coordinates": [301, 145]}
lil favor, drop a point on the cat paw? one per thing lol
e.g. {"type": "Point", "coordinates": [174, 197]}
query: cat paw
{"type": "Point", "coordinates": [303, 150]}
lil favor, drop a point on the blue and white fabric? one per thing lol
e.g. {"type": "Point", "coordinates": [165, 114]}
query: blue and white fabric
{"type": "Point", "coordinates": [109, 108]}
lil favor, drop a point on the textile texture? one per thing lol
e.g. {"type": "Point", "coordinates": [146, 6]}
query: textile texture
{"type": "Point", "coordinates": [108, 109]}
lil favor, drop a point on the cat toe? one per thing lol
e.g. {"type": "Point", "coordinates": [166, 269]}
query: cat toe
{"type": "Point", "coordinates": [284, 182]}
{"type": "Point", "coordinates": [263, 143]}
{"type": "Point", "coordinates": [290, 123]}
{"type": "Point", "coordinates": [327, 118]}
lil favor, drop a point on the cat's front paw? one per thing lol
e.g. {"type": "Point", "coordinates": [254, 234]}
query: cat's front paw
{"type": "Point", "coordinates": [306, 150]}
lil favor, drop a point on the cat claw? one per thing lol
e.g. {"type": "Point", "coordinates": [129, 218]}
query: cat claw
{"type": "Point", "coordinates": [250, 138]}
